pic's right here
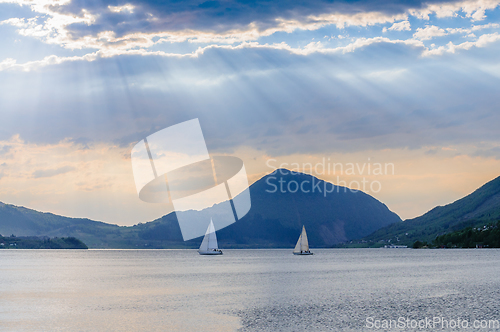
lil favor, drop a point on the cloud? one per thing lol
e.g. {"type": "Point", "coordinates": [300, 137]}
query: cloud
{"type": "Point", "coordinates": [482, 41]}
{"type": "Point", "coordinates": [47, 173]}
{"type": "Point", "coordinates": [5, 150]}
{"type": "Point", "coordinates": [399, 26]}
{"type": "Point", "coordinates": [141, 25]}
{"type": "Point", "coordinates": [475, 9]}
{"type": "Point", "coordinates": [488, 153]}
{"type": "Point", "coordinates": [188, 29]}
{"type": "Point", "coordinates": [128, 8]}
{"type": "Point", "coordinates": [47, 61]}
{"type": "Point", "coordinates": [311, 48]}
{"type": "Point", "coordinates": [348, 84]}
{"type": "Point", "coordinates": [7, 64]}
{"type": "Point", "coordinates": [429, 32]}
{"type": "Point", "coordinates": [314, 47]}
{"type": "Point", "coordinates": [431, 152]}
{"type": "Point", "coordinates": [485, 26]}
{"type": "Point", "coordinates": [470, 31]}
{"type": "Point", "coordinates": [365, 96]}
{"type": "Point", "coordinates": [19, 22]}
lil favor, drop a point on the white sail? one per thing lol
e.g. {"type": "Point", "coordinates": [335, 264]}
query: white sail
{"type": "Point", "coordinates": [298, 245]}
{"type": "Point", "coordinates": [302, 246]}
{"type": "Point", "coordinates": [209, 243]}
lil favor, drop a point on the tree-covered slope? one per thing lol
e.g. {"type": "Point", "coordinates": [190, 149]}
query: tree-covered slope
{"type": "Point", "coordinates": [481, 206]}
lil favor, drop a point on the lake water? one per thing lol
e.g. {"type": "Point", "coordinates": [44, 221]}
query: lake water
{"type": "Point", "coordinates": [245, 290]}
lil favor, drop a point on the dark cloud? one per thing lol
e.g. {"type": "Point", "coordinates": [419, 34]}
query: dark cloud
{"type": "Point", "coordinates": [431, 152]}
{"type": "Point", "coordinates": [214, 16]}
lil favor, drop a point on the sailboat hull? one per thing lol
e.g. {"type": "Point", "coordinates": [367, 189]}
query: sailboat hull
{"type": "Point", "coordinates": [210, 252]}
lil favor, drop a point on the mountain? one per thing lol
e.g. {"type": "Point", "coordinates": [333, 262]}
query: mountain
{"type": "Point", "coordinates": [20, 221]}
{"type": "Point", "coordinates": [275, 219]}
{"type": "Point", "coordinates": [277, 216]}
{"type": "Point", "coordinates": [478, 208]}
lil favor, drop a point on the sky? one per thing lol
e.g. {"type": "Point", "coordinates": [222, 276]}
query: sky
{"type": "Point", "coordinates": [276, 83]}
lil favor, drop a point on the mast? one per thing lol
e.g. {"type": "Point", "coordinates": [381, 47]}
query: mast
{"type": "Point", "coordinates": [208, 239]}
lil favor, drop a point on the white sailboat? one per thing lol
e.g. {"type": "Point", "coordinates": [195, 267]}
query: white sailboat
{"type": "Point", "coordinates": [302, 246]}
{"type": "Point", "coordinates": [209, 244]}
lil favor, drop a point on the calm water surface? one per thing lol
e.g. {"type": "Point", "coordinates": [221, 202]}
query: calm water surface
{"type": "Point", "coordinates": [243, 290]}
